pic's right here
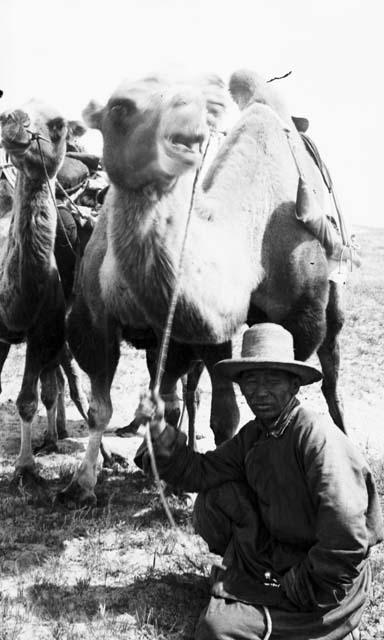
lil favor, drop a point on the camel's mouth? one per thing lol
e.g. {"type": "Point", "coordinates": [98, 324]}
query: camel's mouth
{"type": "Point", "coordinates": [185, 143]}
{"type": "Point", "coordinates": [16, 146]}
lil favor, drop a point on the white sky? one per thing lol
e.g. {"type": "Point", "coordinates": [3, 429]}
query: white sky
{"type": "Point", "coordinates": [68, 51]}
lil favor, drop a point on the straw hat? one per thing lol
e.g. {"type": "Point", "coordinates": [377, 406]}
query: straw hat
{"type": "Point", "coordinates": [267, 346]}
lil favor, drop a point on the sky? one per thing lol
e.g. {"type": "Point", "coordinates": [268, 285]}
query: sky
{"type": "Point", "coordinates": [69, 51]}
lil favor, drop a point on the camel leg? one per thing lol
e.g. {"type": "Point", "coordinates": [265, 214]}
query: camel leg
{"type": "Point", "coordinates": [81, 490]}
{"type": "Point", "coordinates": [315, 324]}
{"type": "Point", "coordinates": [192, 399]}
{"type": "Point", "coordinates": [178, 361]}
{"type": "Point", "coordinates": [329, 356]}
{"type": "Point", "coordinates": [307, 323]}
{"type": "Point", "coordinates": [49, 397]}
{"type": "Point", "coordinates": [4, 350]}
{"type": "Point", "coordinates": [78, 397]}
{"type": "Point", "coordinates": [98, 354]}
{"type": "Point", "coordinates": [61, 419]}
{"type": "Point", "coordinates": [224, 410]}
{"type": "Point", "coordinates": [26, 403]}
{"type": "Point", "coordinates": [73, 374]}
{"type": "Point", "coordinates": [181, 363]}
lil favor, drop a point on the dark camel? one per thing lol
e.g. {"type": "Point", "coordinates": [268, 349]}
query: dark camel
{"type": "Point", "coordinates": [32, 302]}
{"type": "Point", "coordinates": [247, 257]}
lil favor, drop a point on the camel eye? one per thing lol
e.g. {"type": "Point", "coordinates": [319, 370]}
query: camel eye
{"type": "Point", "coordinates": [57, 124]}
{"type": "Point", "coordinates": [123, 109]}
{"type": "Point", "coordinates": [57, 128]}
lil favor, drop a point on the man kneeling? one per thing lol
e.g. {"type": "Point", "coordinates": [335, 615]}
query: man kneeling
{"type": "Point", "coordinates": [289, 503]}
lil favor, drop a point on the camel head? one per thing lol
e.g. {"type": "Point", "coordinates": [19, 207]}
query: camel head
{"type": "Point", "coordinates": [31, 133]}
{"type": "Point", "coordinates": [153, 131]}
{"type": "Point", "coordinates": [76, 130]}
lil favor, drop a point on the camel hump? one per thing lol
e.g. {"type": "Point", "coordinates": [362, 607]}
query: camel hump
{"type": "Point", "coordinates": [247, 87]}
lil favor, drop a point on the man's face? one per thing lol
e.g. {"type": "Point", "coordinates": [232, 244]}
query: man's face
{"type": "Point", "coordinates": [267, 391]}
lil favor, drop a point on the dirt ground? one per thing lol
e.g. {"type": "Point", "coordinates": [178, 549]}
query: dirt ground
{"type": "Point", "coordinates": [46, 555]}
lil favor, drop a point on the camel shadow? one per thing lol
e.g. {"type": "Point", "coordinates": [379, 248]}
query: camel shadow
{"type": "Point", "coordinates": [39, 529]}
{"type": "Point", "coordinates": [10, 431]}
{"type": "Point", "coordinates": [171, 602]}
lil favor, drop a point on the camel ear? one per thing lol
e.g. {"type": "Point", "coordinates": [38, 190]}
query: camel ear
{"type": "Point", "coordinates": [93, 115]}
{"type": "Point", "coordinates": [76, 128]}
{"type": "Point", "coordinates": [301, 124]}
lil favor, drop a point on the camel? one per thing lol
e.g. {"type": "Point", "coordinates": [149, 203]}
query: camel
{"type": "Point", "coordinates": [73, 173]}
{"type": "Point", "coordinates": [32, 304]}
{"type": "Point", "coordinates": [247, 257]}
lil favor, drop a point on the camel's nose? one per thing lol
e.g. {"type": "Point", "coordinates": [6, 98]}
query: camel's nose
{"type": "Point", "coordinates": [13, 127]}
{"type": "Point", "coordinates": [15, 117]}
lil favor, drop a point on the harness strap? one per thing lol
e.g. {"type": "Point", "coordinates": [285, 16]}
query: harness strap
{"type": "Point", "coordinates": [36, 136]}
{"type": "Point", "coordinates": [314, 152]}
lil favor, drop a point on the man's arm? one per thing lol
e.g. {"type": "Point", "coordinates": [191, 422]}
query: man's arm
{"type": "Point", "coordinates": [348, 522]}
{"type": "Point", "coordinates": [183, 467]}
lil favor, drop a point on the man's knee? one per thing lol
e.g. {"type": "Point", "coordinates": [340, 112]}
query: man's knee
{"type": "Point", "coordinates": [218, 509]}
{"type": "Point", "coordinates": [209, 519]}
{"type": "Point", "coordinates": [230, 620]}
{"type": "Point", "coordinates": [203, 629]}
{"type": "Point", "coordinates": [213, 622]}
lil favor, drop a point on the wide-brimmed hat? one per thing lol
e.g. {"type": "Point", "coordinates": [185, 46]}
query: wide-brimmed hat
{"type": "Point", "coordinates": [267, 346]}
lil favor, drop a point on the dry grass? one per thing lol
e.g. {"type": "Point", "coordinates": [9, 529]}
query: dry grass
{"type": "Point", "coordinates": [117, 571]}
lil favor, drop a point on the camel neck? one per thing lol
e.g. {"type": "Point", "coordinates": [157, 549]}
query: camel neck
{"type": "Point", "coordinates": [28, 261]}
{"type": "Point", "coordinates": [34, 219]}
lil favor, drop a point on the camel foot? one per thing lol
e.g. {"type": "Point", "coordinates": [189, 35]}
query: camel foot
{"type": "Point", "coordinates": [76, 497]}
{"type": "Point", "coordinates": [28, 480]}
{"type": "Point", "coordinates": [112, 459]}
{"type": "Point", "coordinates": [47, 446]}
{"type": "Point", "coordinates": [129, 430]}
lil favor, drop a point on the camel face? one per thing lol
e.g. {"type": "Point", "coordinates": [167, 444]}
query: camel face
{"type": "Point", "coordinates": [17, 137]}
{"type": "Point", "coordinates": [152, 133]}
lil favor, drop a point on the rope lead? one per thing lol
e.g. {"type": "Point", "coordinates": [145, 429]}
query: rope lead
{"type": "Point", "coordinates": [166, 338]}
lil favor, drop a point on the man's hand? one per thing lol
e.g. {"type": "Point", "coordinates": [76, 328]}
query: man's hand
{"type": "Point", "coordinates": [151, 409]}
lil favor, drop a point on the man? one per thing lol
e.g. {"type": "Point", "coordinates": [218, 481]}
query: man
{"type": "Point", "coordinates": [289, 503]}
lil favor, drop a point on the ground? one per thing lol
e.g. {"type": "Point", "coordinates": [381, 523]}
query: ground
{"type": "Point", "coordinates": [119, 571]}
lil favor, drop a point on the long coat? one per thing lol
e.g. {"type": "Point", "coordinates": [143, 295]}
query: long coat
{"type": "Point", "coordinates": [314, 516]}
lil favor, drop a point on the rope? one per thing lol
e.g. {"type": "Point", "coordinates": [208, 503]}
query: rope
{"type": "Point", "coordinates": [36, 136]}
{"type": "Point", "coordinates": [166, 338]}
{"type": "Point", "coordinates": [66, 194]}
{"type": "Point", "coordinates": [172, 307]}
{"type": "Point", "coordinates": [269, 623]}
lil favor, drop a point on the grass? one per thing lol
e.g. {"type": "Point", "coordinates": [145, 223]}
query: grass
{"type": "Point", "coordinates": [117, 572]}
{"type": "Point", "coordinates": [107, 572]}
